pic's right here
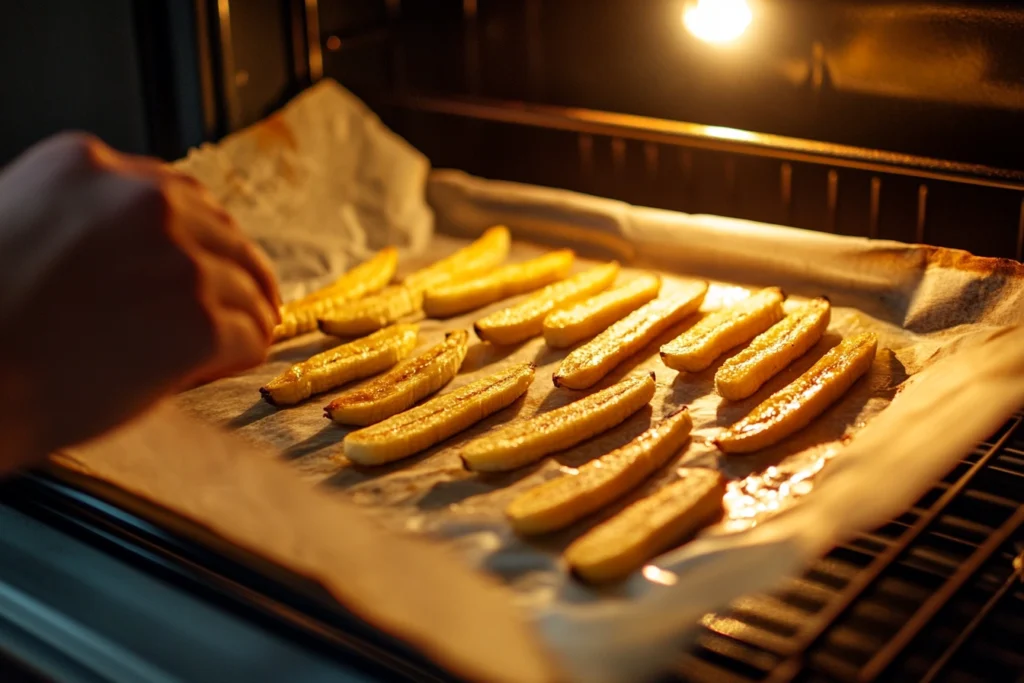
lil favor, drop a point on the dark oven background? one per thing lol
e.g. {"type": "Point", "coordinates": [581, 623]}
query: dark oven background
{"type": "Point", "coordinates": [463, 80]}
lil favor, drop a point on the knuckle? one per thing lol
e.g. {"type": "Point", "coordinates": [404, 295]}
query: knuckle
{"type": "Point", "coordinates": [155, 197]}
{"type": "Point", "coordinates": [74, 152]}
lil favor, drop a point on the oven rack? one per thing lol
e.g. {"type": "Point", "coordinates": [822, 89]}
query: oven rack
{"type": "Point", "coordinates": [904, 602]}
{"type": "Point", "coordinates": [695, 168]}
{"type": "Point", "coordinates": [933, 595]}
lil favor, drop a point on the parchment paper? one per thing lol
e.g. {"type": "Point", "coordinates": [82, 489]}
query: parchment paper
{"type": "Point", "coordinates": [944, 321]}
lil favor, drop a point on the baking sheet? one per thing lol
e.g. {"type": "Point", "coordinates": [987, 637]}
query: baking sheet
{"type": "Point", "coordinates": [943, 318]}
{"type": "Point", "coordinates": [432, 493]}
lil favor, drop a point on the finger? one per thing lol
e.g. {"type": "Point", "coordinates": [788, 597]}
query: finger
{"type": "Point", "coordinates": [240, 346]}
{"type": "Point", "coordinates": [232, 287]}
{"type": "Point", "coordinates": [216, 233]}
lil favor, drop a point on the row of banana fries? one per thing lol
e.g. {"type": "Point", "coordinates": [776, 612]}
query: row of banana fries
{"type": "Point", "coordinates": [613, 323]}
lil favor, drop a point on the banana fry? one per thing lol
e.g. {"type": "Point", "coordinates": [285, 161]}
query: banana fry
{"type": "Point", "coordinates": [486, 252]}
{"type": "Point", "coordinates": [523, 442]}
{"type": "Point", "coordinates": [356, 318]}
{"type": "Point", "coordinates": [566, 327]}
{"type": "Point", "coordinates": [793, 407]}
{"type": "Point", "coordinates": [586, 365]}
{"type": "Point", "coordinates": [407, 383]}
{"type": "Point", "coordinates": [299, 317]}
{"type": "Point", "coordinates": [439, 418]}
{"type": "Point", "coordinates": [648, 528]}
{"type": "Point", "coordinates": [558, 503]}
{"type": "Point", "coordinates": [743, 374]}
{"type": "Point", "coordinates": [367, 315]}
{"type": "Point", "coordinates": [342, 364]}
{"type": "Point", "coordinates": [458, 297]}
{"type": "Point", "coordinates": [526, 320]}
{"type": "Point", "coordinates": [697, 348]}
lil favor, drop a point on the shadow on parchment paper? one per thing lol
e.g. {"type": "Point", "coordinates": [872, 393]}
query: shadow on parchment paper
{"type": "Point", "coordinates": [482, 354]}
{"type": "Point", "coordinates": [301, 348]}
{"type": "Point", "coordinates": [508, 561]}
{"type": "Point", "coordinates": [730, 412]}
{"type": "Point", "coordinates": [329, 435]}
{"type": "Point", "coordinates": [835, 424]}
{"type": "Point", "coordinates": [650, 351]}
{"type": "Point", "coordinates": [350, 474]}
{"type": "Point", "coordinates": [254, 413]}
{"type": "Point", "coordinates": [557, 397]}
{"type": "Point", "coordinates": [443, 494]}
{"type": "Point", "coordinates": [545, 354]}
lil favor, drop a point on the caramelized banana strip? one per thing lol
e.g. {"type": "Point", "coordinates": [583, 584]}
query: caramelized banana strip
{"type": "Point", "coordinates": [454, 298]}
{"type": "Point", "coordinates": [342, 364]}
{"type": "Point", "coordinates": [361, 317]}
{"type": "Point", "coordinates": [770, 352]}
{"type": "Point", "coordinates": [558, 503]}
{"type": "Point", "coordinates": [406, 383]}
{"type": "Point", "coordinates": [566, 327]}
{"type": "Point", "coordinates": [356, 318]}
{"type": "Point", "coordinates": [525, 320]}
{"type": "Point", "coordinates": [525, 441]}
{"type": "Point", "coordinates": [647, 528]}
{"type": "Point", "coordinates": [793, 407]}
{"type": "Point", "coordinates": [698, 347]}
{"type": "Point", "coordinates": [299, 317]}
{"type": "Point", "coordinates": [439, 418]}
{"type": "Point", "coordinates": [585, 366]}
{"type": "Point", "coordinates": [486, 252]}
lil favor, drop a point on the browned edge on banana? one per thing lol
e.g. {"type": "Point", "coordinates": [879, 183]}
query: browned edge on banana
{"type": "Point", "coordinates": [771, 351]}
{"type": "Point", "coordinates": [699, 347]}
{"type": "Point", "coordinates": [439, 418]}
{"type": "Point", "coordinates": [587, 365]}
{"type": "Point", "coordinates": [405, 384]}
{"type": "Point", "coordinates": [342, 364]}
{"type": "Point", "coordinates": [300, 316]}
{"type": "Point", "coordinates": [557, 503]}
{"type": "Point", "coordinates": [523, 442]}
{"type": "Point", "coordinates": [796, 405]}
{"type": "Point", "coordinates": [648, 528]}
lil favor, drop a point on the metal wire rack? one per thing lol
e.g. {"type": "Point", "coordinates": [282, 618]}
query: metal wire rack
{"type": "Point", "coordinates": [705, 169]}
{"type": "Point", "coordinates": [934, 595]}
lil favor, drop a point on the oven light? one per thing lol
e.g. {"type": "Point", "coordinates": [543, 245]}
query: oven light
{"type": "Point", "coordinates": [717, 21]}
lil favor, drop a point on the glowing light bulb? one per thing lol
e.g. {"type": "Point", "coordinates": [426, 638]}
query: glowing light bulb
{"type": "Point", "coordinates": [717, 21]}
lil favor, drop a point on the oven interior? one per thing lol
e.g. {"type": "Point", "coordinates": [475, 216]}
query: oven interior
{"type": "Point", "coordinates": [885, 120]}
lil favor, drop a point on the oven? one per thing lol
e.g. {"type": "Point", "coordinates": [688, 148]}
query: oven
{"type": "Point", "coordinates": [884, 120]}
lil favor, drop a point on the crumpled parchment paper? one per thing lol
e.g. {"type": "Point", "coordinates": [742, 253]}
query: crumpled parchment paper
{"type": "Point", "coordinates": [945, 321]}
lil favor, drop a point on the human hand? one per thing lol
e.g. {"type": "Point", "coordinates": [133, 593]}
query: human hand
{"type": "Point", "coordinates": [122, 280]}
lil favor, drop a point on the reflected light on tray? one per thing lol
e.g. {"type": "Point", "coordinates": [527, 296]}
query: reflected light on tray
{"type": "Point", "coordinates": [660, 576]}
{"type": "Point", "coordinates": [717, 21]}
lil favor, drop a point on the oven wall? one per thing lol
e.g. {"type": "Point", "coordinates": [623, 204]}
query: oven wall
{"type": "Point", "coordinates": [70, 64]}
{"type": "Point", "coordinates": [939, 79]}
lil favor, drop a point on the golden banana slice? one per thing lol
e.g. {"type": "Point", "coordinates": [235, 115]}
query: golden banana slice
{"type": "Point", "coordinates": [486, 252]}
{"type": "Point", "coordinates": [439, 418]}
{"type": "Point", "coordinates": [457, 297]}
{"type": "Point", "coordinates": [586, 365]}
{"type": "Point", "coordinates": [299, 317]}
{"type": "Point", "coordinates": [566, 327]}
{"type": "Point", "coordinates": [647, 528]}
{"type": "Point", "coordinates": [558, 503]}
{"type": "Point", "coordinates": [743, 374]}
{"type": "Point", "coordinates": [342, 364]}
{"type": "Point", "coordinates": [356, 318]}
{"type": "Point", "coordinates": [698, 347]}
{"type": "Point", "coordinates": [793, 407]}
{"type": "Point", "coordinates": [406, 383]}
{"type": "Point", "coordinates": [367, 315]}
{"type": "Point", "coordinates": [526, 320]}
{"type": "Point", "coordinates": [526, 441]}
